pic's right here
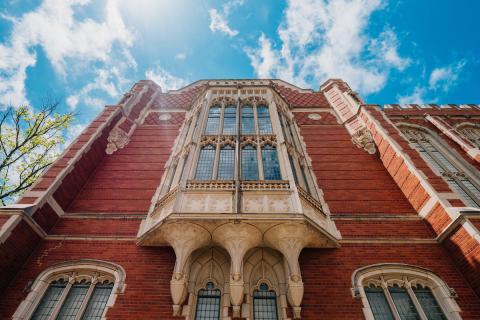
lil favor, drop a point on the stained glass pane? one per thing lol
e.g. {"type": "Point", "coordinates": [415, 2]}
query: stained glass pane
{"type": "Point", "coordinates": [429, 304]}
{"type": "Point", "coordinates": [248, 126]}
{"type": "Point", "coordinates": [226, 165]}
{"type": "Point", "coordinates": [230, 120]}
{"type": "Point", "coordinates": [405, 307]}
{"type": "Point", "coordinates": [249, 163]}
{"type": "Point", "coordinates": [378, 303]}
{"type": "Point", "coordinates": [264, 304]}
{"type": "Point", "coordinates": [208, 303]}
{"type": "Point", "coordinates": [98, 301]}
{"type": "Point", "coordinates": [205, 163]}
{"type": "Point", "coordinates": [49, 300]}
{"type": "Point", "coordinates": [271, 167]}
{"type": "Point", "coordinates": [264, 124]}
{"type": "Point", "coordinates": [213, 121]}
{"type": "Point", "coordinates": [73, 301]}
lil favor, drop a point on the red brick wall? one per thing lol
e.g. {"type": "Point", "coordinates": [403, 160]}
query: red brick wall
{"type": "Point", "coordinates": [353, 180]}
{"type": "Point", "coordinates": [126, 180]}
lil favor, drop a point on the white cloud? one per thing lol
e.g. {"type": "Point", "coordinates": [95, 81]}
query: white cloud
{"type": "Point", "coordinates": [181, 56]}
{"type": "Point", "coordinates": [416, 97]}
{"type": "Point", "coordinates": [323, 39]}
{"type": "Point", "coordinates": [164, 79]}
{"type": "Point", "coordinates": [446, 77]}
{"type": "Point", "coordinates": [66, 41]}
{"type": "Point", "coordinates": [218, 20]}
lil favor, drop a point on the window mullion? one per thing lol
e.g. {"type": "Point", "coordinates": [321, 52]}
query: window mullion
{"type": "Point", "coordinates": [60, 302]}
{"type": "Point", "coordinates": [215, 161]}
{"type": "Point", "coordinates": [415, 301]}
{"type": "Point", "coordinates": [85, 300]}
{"type": "Point", "coordinates": [260, 161]}
{"type": "Point", "coordinates": [390, 301]}
{"type": "Point", "coordinates": [222, 119]}
{"type": "Point", "coordinates": [255, 119]}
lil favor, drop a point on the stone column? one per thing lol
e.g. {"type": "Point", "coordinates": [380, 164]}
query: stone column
{"type": "Point", "coordinates": [237, 239]}
{"type": "Point", "coordinates": [184, 239]}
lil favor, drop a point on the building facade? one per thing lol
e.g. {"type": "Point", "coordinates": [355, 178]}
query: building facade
{"type": "Point", "coordinates": [252, 199]}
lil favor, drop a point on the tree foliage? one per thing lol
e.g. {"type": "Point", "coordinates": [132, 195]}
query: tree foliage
{"type": "Point", "coordinates": [29, 142]}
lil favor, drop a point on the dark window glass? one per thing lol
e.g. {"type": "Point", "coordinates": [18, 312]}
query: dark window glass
{"type": "Point", "coordinates": [249, 163]}
{"type": "Point", "coordinates": [264, 304]}
{"type": "Point", "coordinates": [49, 300]}
{"type": "Point", "coordinates": [305, 179]}
{"type": "Point", "coordinates": [226, 165]}
{"type": "Point", "coordinates": [429, 304]}
{"type": "Point", "coordinates": [271, 167]}
{"type": "Point", "coordinates": [403, 303]}
{"type": "Point", "coordinates": [213, 121]}
{"type": "Point", "coordinates": [248, 126]}
{"type": "Point", "coordinates": [205, 163]}
{"type": "Point", "coordinates": [378, 303]}
{"type": "Point", "coordinates": [264, 124]}
{"type": "Point", "coordinates": [290, 159]}
{"type": "Point", "coordinates": [98, 301]}
{"type": "Point", "coordinates": [208, 303]}
{"type": "Point", "coordinates": [73, 301]}
{"type": "Point", "coordinates": [230, 120]}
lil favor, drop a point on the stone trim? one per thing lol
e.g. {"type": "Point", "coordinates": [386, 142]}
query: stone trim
{"type": "Point", "coordinates": [89, 269]}
{"type": "Point", "coordinates": [404, 275]}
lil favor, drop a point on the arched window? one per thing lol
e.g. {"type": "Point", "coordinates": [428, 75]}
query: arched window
{"type": "Point", "coordinates": [208, 303]}
{"type": "Point", "coordinates": [205, 163]}
{"type": "Point", "coordinates": [398, 292]}
{"type": "Point", "coordinates": [471, 132]}
{"type": "Point", "coordinates": [264, 124]}
{"type": "Point", "coordinates": [73, 290]}
{"type": "Point", "coordinates": [230, 120]}
{"type": "Point", "coordinates": [264, 303]}
{"type": "Point", "coordinates": [249, 163]}
{"type": "Point", "coordinates": [248, 121]}
{"type": "Point", "coordinates": [226, 164]}
{"type": "Point", "coordinates": [271, 167]}
{"type": "Point", "coordinates": [445, 164]}
{"type": "Point", "coordinates": [213, 121]}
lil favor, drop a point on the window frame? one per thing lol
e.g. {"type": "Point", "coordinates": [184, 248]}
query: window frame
{"type": "Point", "coordinates": [94, 271]}
{"type": "Point", "coordinates": [386, 275]}
{"type": "Point", "coordinates": [204, 287]}
{"type": "Point", "coordinates": [455, 159]}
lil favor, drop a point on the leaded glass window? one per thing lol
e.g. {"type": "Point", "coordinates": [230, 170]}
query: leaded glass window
{"type": "Point", "coordinates": [271, 167]}
{"type": "Point", "coordinates": [98, 301]}
{"type": "Point", "coordinates": [429, 303]}
{"type": "Point", "coordinates": [378, 303]}
{"type": "Point", "coordinates": [230, 120]}
{"type": "Point", "coordinates": [305, 179]}
{"type": "Point", "coordinates": [49, 300]}
{"type": "Point", "coordinates": [445, 165]}
{"type": "Point", "coordinates": [226, 164]}
{"type": "Point", "coordinates": [205, 163]}
{"type": "Point", "coordinates": [213, 121]}
{"type": "Point", "coordinates": [403, 303]}
{"type": "Point", "coordinates": [264, 124]}
{"type": "Point", "coordinates": [264, 304]}
{"type": "Point", "coordinates": [294, 171]}
{"type": "Point", "coordinates": [248, 120]}
{"type": "Point", "coordinates": [82, 299]}
{"type": "Point", "coordinates": [208, 303]}
{"type": "Point", "coordinates": [249, 163]}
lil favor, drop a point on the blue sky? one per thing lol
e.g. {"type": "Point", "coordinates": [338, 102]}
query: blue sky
{"type": "Point", "coordinates": [87, 53]}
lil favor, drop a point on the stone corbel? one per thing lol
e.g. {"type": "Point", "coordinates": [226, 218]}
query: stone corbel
{"type": "Point", "coordinates": [117, 139]}
{"type": "Point", "coordinates": [290, 239]}
{"type": "Point", "coordinates": [363, 139]}
{"type": "Point", "coordinates": [184, 239]}
{"type": "Point", "coordinates": [237, 239]}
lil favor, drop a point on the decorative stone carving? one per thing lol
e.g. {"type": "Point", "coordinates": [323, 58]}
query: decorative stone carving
{"type": "Point", "coordinates": [363, 139]}
{"type": "Point", "coordinates": [314, 116]}
{"type": "Point", "coordinates": [237, 239]}
{"type": "Point", "coordinates": [117, 139]}
{"type": "Point", "coordinates": [290, 239]}
{"type": "Point", "coordinates": [184, 239]}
